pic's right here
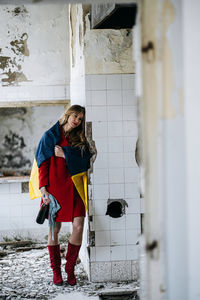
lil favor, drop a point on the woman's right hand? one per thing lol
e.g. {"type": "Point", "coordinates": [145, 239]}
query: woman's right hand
{"type": "Point", "coordinates": [58, 151]}
{"type": "Point", "coordinates": [45, 195]}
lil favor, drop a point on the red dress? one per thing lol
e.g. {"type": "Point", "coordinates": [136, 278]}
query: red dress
{"type": "Point", "coordinates": [54, 174]}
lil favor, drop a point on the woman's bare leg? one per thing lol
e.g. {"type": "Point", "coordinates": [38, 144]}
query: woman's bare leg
{"type": "Point", "coordinates": [77, 231]}
{"type": "Point", "coordinates": [56, 232]}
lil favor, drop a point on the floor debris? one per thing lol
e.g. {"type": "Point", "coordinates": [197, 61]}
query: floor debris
{"type": "Point", "coordinates": [27, 275]}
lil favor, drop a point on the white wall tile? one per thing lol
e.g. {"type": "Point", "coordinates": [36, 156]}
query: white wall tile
{"type": "Point", "coordinates": [129, 144]}
{"type": "Point", "coordinates": [99, 129]}
{"type": "Point", "coordinates": [101, 161]}
{"type": "Point", "coordinates": [128, 81]}
{"type": "Point", "coordinates": [29, 211]}
{"type": "Point", "coordinates": [25, 200]}
{"type": "Point", "coordinates": [16, 200]}
{"type": "Point", "coordinates": [132, 190]}
{"type": "Point", "coordinates": [98, 98]}
{"type": "Point", "coordinates": [102, 223]}
{"type": "Point", "coordinates": [114, 113]}
{"type": "Point", "coordinates": [4, 222]}
{"type": "Point", "coordinates": [115, 144]}
{"type": "Point", "coordinates": [88, 98]}
{"type": "Point", "coordinates": [129, 97]}
{"type": "Point", "coordinates": [117, 237]}
{"type": "Point", "coordinates": [131, 175]}
{"type": "Point", "coordinates": [132, 252]}
{"type": "Point", "coordinates": [100, 176]}
{"type": "Point", "coordinates": [134, 206]}
{"type": "Point", "coordinates": [115, 131]}
{"type": "Point", "coordinates": [98, 82]}
{"type": "Point", "coordinates": [89, 114]}
{"type": "Point", "coordinates": [117, 223]}
{"type": "Point", "coordinates": [116, 175]}
{"type": "Point", "coordinates": [129, 160]}
{"type": "Point", "coordinates": [99, 113]}
{"type": "Point", "coordinates": [4, 199]}
{"type": "Point", "coordinates": [130, 128]}
{"type": "Point", "coordinates": [101, 191]}
{"type": "Point", "coordinates": [114, 97]}
{"type": "Point", "coordinates": [5, 212]}
{"type": "Point", "coordinates": [15, 211]}
{"type": "Point", "coordinates": [92, 254]}
{"type": "Point", "coordinates": [130, 113]}
{"type": "Point", "coordinates": [88, 82]}
{"type": "Point", "coordinates": [102, 238]}
{"type": "Point", "coordinates": [30, 223]}
{"type": "Point", "coordinates": [115, 128]}
{"type": "Point", "coordinates": [133, 221]}
{"type": "Point", "coordinates": [100, 207]}
{"type": "Point", "coordinates": [17, 223]}
{"type": "Point", "coordinates": [118, 253]}
{"type": "Point", "coordinates": [115, 160]}
{"type": "Point", "coordinates": [116, 190]}
{"type": "Point", "coordinates": [114, 82]}
{"type": "Point", "coordinates": [103, 253]}
{"type": "Point", "coordinates": [15, 187]}
{"type": "Point", "coordinates": [101, 144]}
{"type": "Point", "coordinates": [132, 236]}
{"type": "Point", "coordinates": [4, 188]}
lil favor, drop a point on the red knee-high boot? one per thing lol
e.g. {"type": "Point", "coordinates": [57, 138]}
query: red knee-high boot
{"type": "Point", "coordinates": [55, 259]}
{"type": "Point", "coordinates": [71, 257]}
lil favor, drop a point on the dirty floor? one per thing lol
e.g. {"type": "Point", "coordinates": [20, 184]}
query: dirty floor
{"type": "Point", "coordinates": [27, 275]}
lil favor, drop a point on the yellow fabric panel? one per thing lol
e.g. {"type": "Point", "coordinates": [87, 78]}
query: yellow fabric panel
{"type": "Point", "coordinates": [80, 182]}
{"type": "Point", "coordinates": [34, 191]}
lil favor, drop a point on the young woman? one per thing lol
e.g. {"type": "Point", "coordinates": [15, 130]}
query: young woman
{"type": "Point", "coordinates": [63, 156]}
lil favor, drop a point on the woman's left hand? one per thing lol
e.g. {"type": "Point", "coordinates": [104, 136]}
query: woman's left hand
{"type": "Point", "coordinates": [58, 151]}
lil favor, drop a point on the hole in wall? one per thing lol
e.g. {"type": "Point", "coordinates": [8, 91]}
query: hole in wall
{"type": "Point", "coordinates": [116, 208]}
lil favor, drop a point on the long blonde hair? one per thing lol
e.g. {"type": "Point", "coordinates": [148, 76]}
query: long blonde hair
{"type": "Point", "coordinates": [77, 135]}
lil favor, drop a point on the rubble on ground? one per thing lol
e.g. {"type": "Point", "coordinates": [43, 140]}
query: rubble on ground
{"type": "Point", "coordinates": [27, 275]}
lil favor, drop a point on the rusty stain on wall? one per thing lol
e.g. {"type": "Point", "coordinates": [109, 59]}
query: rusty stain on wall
{"type": "Point", "coordinates": [19, 47]}
{"type": "Point", "coordinates": [72, 23]}
{"type": "Point", "coordinates": [4, 62]}
{"type": "Point", "coordinates": [168, 76]}
{"type": "Point", "coordinates": [13, 77]}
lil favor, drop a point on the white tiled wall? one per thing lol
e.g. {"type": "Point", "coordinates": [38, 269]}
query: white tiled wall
{"type": "Point", "coordinates": [18, 213]}
{"type": "Point", "coordinates": [17, 210]}
{"type": "Point", "coordinates": [112, 108]}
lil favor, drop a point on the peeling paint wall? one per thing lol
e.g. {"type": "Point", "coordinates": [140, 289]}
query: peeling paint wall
{"type": "Point", "coordinates": [34, 51]}
{"type": "Point", "coordinates": [21, 130]}
{"type": "Point", "coordinates": [77, 80]}
{"type": "Point", "coordinates": [108, 51]}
